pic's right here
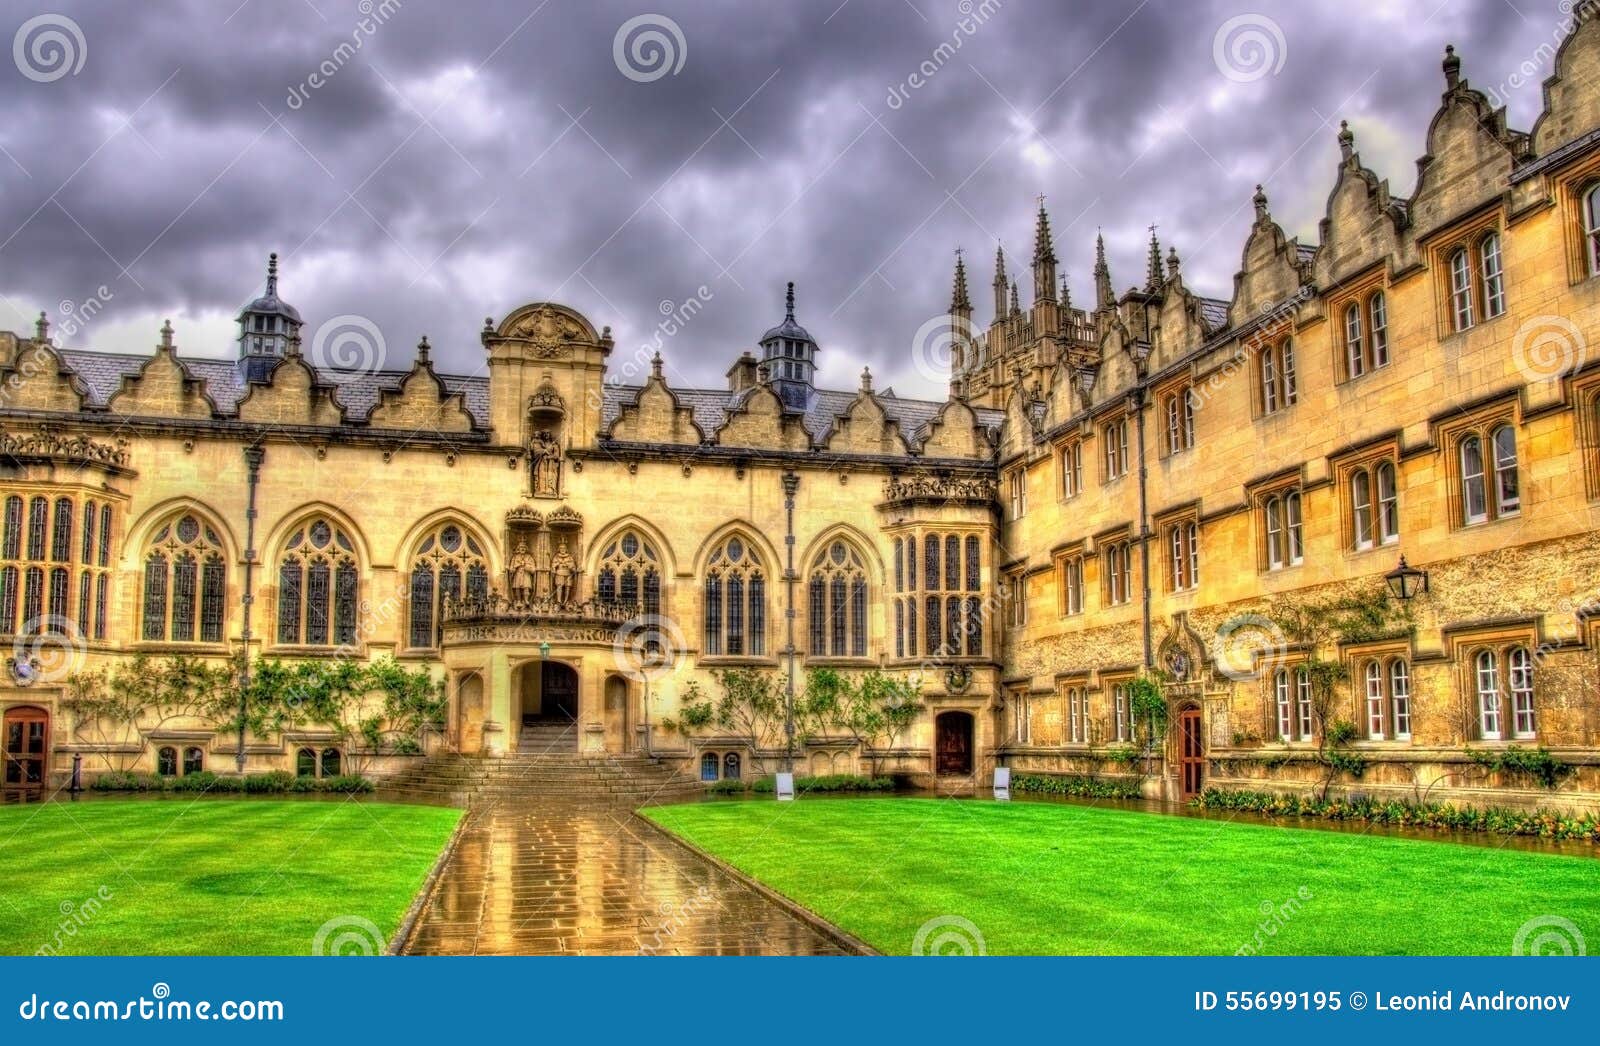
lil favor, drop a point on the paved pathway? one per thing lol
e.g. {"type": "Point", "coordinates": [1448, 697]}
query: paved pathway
{"type": "Point", "coordinates": [538, 877]}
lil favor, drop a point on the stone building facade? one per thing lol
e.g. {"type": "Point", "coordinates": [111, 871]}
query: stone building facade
{"type": "Point", "coordinates": [1208, 495]}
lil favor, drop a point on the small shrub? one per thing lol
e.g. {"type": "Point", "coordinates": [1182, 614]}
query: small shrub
{"type": "Point", "coordinates": [348, 783]}
{"type": "Point", "coordinates": [727, 786]}
{"type": "Point", "coordinates": [1439, 816]}
{"type": "Point", "coordinates": [271, 781]}
{"type": "Point", "coordinates": [826, 783]}
{"type": "Point", "coordinates": [204, 781]}
{"type": "Point", "coordinates": [1078, 787]}
{"type": "Point", "coordinates": [127, 781]}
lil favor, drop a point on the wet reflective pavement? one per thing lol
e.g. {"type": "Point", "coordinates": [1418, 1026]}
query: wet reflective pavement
{"type": "Point", "coordinates": [540, 877]}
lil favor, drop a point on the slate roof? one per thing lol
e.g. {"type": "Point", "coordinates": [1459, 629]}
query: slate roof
{"type": "Point", "coordinates": [358, 391]}
{"type": "Point", "coordinates": [102, 374]}
{"type": "Point", "coordinates": [712, 406]}
{"type": "Point", "coordinates": [1215, 313]}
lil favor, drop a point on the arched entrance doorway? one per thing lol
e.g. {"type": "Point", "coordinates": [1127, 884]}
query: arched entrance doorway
{"type": "Point", "coordinates": [548, 692]}
{"type": "Point", "coordinates": [618, 721]}
{"type": "Point", "coordinates": [953, 744]}
{"type": "Point", "coordinates": [1191, 753]}
{"type": "Point", "coordinates": [25, 737]}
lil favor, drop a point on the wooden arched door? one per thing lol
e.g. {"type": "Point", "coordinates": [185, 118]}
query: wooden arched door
{"type": "Point", "coordinates": [1191, 753]}
{"type": "Point", "coordinates": [25, 737]}
{"type": "Point", "coordinates": [953, 740]}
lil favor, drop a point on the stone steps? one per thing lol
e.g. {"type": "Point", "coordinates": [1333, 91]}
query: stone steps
{"type": "Point", "coordinates": [564, 775]}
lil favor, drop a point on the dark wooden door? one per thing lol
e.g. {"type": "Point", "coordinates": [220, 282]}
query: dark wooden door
{"type": "Point", "coordinates": [954, 743]}
{"type": "Point", "coordinates": [1191, 752]}
{"type": "Point", "coordinates": [558, 692]}
{"type": "Point", "coordinates": [26, 739]}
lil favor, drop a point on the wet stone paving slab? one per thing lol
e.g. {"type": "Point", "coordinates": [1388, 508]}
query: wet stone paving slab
{"type": "Point", "coordinates": [539, 877]}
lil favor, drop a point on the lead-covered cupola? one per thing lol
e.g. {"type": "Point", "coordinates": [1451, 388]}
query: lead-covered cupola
{"type": "Point", "coordinates": [789, 359]}
{"type": "Point", "coordinates": [267, 328]}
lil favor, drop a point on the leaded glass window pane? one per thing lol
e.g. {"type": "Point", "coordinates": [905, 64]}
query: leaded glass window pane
{"type": "Point", "coordinates": [155, 598]}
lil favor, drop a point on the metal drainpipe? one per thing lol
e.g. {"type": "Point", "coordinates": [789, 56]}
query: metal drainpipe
{"type": "Point", "coordinates": [791, 483]}
{"type": "Point", "coordinates": [1137, 401]}
{"type": "Point", "coordinates": [253, 456]}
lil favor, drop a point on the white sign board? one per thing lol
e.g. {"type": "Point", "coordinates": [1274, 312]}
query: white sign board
{"type": "Point", "coordinates": [1002, 782]}
{"type": "Point", "coordinates": [785, 788]}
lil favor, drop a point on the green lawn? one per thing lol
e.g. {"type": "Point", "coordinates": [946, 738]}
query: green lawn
{"type": "Point", "coordinates": [209, 876]}
{"type": "Point", "coordinates": [1038, 878]}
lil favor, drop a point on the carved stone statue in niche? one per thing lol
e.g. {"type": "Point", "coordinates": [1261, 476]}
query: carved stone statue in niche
{"type": "Point", "coordinates": [522, 572]}
{"type": "Point", "coordinates": [544, 460]}
{"type": "Point", "coordinates": [563, 567]}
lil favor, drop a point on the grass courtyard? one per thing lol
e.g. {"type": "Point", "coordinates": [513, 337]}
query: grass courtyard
{"type": "Point", "coordinates": [209, 877]}
{"type": "Point", "coordinates": [1045, 878]}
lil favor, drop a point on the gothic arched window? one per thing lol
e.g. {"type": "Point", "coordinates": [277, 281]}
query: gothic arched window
{"type": "Point", "coordinates": [185, 583]}
{"type": "Point", "coordinates": [317, 582]}
{"type": "Point", "coordinates": [736, 601]}
{"type": "Point", "coordinates": [629, 572]}
{"type": "Point", "coordinates": [448, 562]}
{"type": "Point", "coordinates": [837, 602]}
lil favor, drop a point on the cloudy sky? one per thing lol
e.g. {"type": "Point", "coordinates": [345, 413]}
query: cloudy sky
{"type": "Point", "coordinates": [455, 159]}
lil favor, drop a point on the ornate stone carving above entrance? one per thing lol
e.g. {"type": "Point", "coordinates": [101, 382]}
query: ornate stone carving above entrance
{"type": "Point", "coordinates": [542, 569]}
{"type": "Point", "coordinates": [551, 332]}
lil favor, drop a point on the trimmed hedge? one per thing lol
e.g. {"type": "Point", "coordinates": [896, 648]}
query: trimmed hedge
{"type": "Point", "coordinates": [272, 782]}
{"type": "Point", "coordinates": [1547, 824]}
{"type": "Point", "coordinates": [822, 783]}
{"type": "Point", "coordinates": [1078, 787]}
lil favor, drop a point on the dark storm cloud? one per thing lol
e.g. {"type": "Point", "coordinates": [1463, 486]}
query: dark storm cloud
{"type": "Point", "coordinates": [468, 157]}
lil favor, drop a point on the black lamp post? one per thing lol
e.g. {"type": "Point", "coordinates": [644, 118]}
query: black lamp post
{"type": "Point", "coordinates": [1406, 581]}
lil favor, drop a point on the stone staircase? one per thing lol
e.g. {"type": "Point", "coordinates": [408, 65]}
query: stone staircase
{"type": "Point", "coordinates": [546, 765]}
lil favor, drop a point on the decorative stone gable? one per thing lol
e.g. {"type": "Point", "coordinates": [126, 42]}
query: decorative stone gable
{"type": "Point", "coordinates": [163, 388]}
{"type": "Point", "coordinates": [291, 396]}
{"type": "Point", "coordinates": [656, 417]}
{"type": "Point", "coordinates": [761, 422]}
{"type": "Point", "coordinates": [37, 380]}
{"type": "Point", "coordinates": [421, 403]}
{"type": "Point", "coordinates": [865, 428]}
{"type": "Point", "coordinates": [1571, 104]}
{"type": "Point", "coordinates": [955, 433]}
